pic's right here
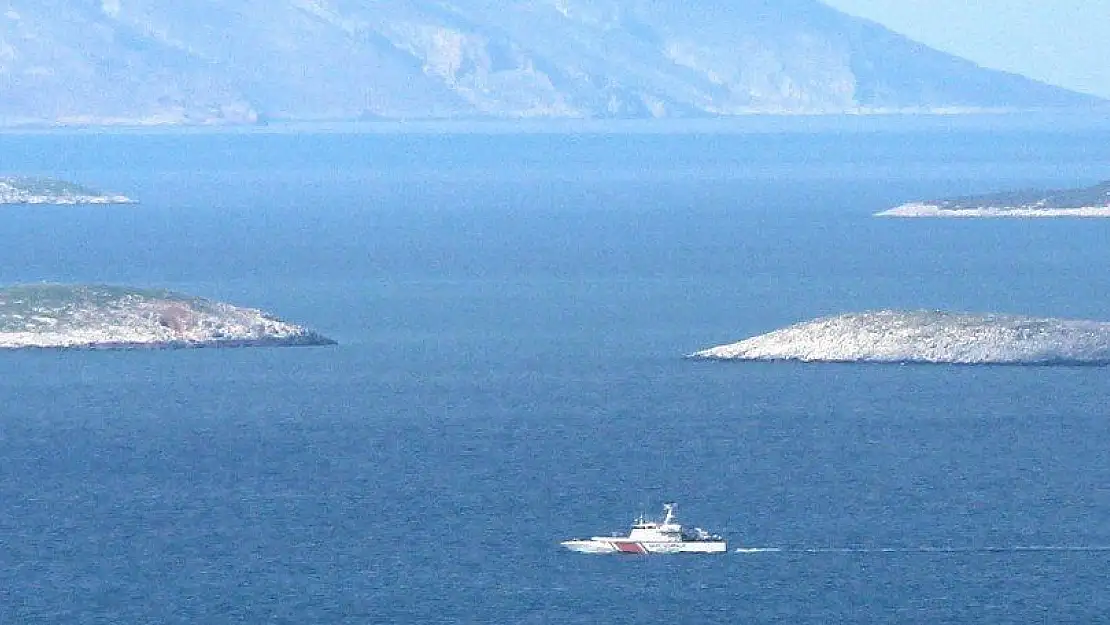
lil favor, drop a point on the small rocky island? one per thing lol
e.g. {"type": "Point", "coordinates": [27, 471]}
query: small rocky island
{"type": "Point", "coordinates": [111, 317]}
{"type": "Point", "coordinates": [26, 190]}
{"type": "Point", "coordinates": [928, 336]}
{"type": "Point", "coordinates": [1085, 202]}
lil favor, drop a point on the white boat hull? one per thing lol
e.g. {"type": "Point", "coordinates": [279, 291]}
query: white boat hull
{"type": "Point", "coordinates": [648, 536]}
{"type": "Point", "coordinates": [640, 547]}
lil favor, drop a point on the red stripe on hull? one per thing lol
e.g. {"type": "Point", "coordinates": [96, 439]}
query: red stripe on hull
{"type": "Point", "coordinates": [630, 548]}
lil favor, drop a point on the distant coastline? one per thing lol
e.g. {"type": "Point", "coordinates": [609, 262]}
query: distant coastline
{"type": "Point", "coordinates": [30, 190]}
{"type": "Point", "coordinates": [917, 209]}
{"type": "Point", "coordinates": [1093, 201]}
{"type": "Point", "coordinates": [737, 124]}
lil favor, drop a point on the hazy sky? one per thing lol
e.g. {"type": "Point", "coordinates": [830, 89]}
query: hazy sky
{"type": "Point", "coordinates": [1064, 42]}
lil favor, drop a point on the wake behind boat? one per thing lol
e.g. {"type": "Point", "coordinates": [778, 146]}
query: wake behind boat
{"type": "Point", "coordinates": [647, 536]}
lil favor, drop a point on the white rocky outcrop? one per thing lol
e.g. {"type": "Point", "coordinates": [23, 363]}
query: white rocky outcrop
{"type": "Point", "coordinates": [921, 209]}
{"type": "Point", "coordinates": [65, 316]}
{"type": "Point", "coordinates": [894, 336]}
{"type": "Point", "coordinates": [15, 190]}
{"type": "Point", "coordinates": [1093, 201]}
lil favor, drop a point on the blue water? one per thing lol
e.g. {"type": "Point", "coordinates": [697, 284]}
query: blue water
{"type": "Point", "coordinates": [512, 312]}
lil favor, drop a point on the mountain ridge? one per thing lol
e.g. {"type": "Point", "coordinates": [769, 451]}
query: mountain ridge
{"type": "Point", "coordinates": [248, 61]}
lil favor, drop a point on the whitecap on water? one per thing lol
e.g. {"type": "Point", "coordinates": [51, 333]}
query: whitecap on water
{"type": "Point", "coordinates": [894, 336]}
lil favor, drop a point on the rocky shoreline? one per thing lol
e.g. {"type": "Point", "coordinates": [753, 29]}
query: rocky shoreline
{"type": "Point", "coordinates": [51, 316]}
{"type": "Point", "coordinates": [1093, 201]}
{"type": "Point", "coordinates": [27, 190]}
{"type": "Point", "coordinates": [927, 337]}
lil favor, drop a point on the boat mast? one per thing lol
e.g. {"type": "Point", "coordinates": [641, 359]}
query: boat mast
{"type": "Point", "coordinates": [668, 513]}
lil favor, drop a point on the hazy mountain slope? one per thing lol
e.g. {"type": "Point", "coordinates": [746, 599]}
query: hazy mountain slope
{"type": "Point", "coordinates": [295, 58]}
{"type": "Point", "coordinates": [236, 60]}
{"type": "Point", "coordinates": [68, 61]}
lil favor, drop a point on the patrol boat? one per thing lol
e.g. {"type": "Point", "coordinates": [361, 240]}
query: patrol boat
{"type": "Point", "coordinates": [648, 536]}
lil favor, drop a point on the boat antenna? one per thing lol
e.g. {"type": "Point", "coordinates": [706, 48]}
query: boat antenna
{"type": "Point", "coordinates": [668, 510]}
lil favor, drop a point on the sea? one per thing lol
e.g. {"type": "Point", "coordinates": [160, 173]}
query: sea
{"type": "Point", "coordinates": [513, 307]}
